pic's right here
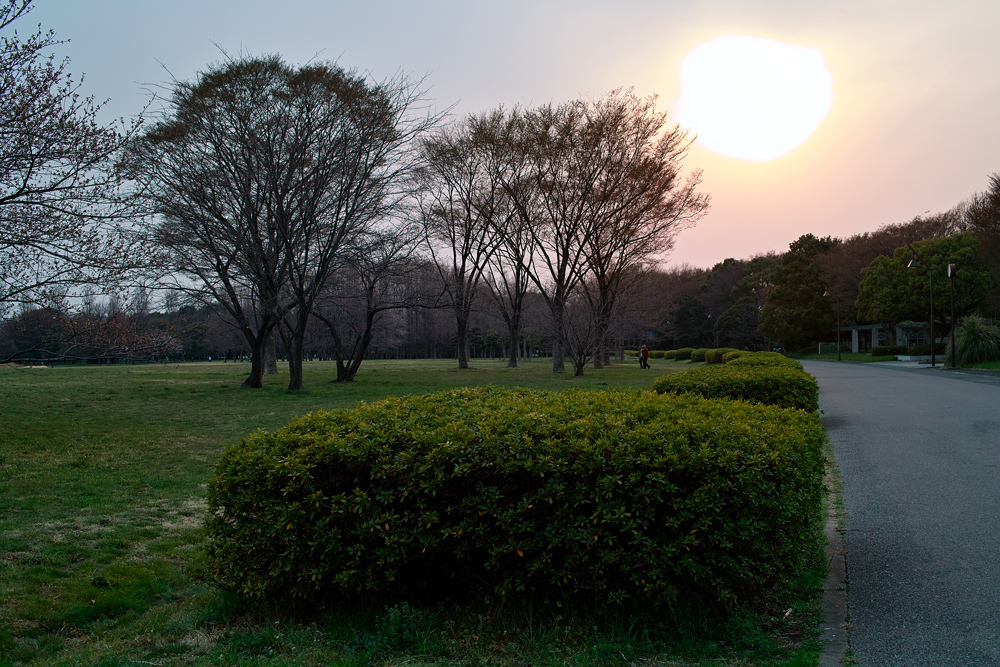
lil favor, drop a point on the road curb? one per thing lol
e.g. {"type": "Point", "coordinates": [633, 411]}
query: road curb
{"type": "Point", "coordinates": [834, 607]}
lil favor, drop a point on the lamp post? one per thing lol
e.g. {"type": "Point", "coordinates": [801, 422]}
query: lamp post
{"type": "Point", "coordinates": [952, 268]}
{"type": "Point", "coordinates": [914, 263]}
{"type": "Point", "coordinates": [837, 303]}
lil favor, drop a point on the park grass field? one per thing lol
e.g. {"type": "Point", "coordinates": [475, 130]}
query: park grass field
{"type": "Point", "coordinates": [103, 474]}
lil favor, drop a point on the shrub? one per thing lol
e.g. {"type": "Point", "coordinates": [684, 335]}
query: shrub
{"type": "Point", "coordinates": [764, 359]}
{"type": "Point", "coordinates": [729, 356]}
{"type": "Point", "coordinates": [771, 385]}
{"type": "Point", "coordinates": [976, 340]}
{"type": "Point", "coordinates": [925, 349]}
{"type": "Point", "coordinates": [631, 353]}
{"type": "Point", "coordinates": [698, 354]}
{"type": "Point", "coordinates": [715, 356]}
{"type": "Point", "coordinates": [684, 353]}
{"type": "Point", "coordinates": [606, 496]}
{"type": "Point", "coordinates": [670, 354]}
{"type": "Point", "coordinates": [886, 350]}
{"type": "Point", "coordinates": [656, 354]}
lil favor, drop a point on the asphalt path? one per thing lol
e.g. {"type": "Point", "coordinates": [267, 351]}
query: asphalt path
{"type": "Point", "coordinates": [919, 454]}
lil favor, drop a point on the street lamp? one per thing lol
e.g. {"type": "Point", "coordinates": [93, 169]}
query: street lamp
{"type": "Point", "coordinates": [914, 263]}
{"type": "Point", "coordinates": [837, 302]}
{"type": "Point", "coordinates": [952, 268]}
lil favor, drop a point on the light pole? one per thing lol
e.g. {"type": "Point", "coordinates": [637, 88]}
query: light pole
{"type": "Point", "coordinates": [837, 303]}
{"type": "Point", "coordinates": [952, 268]}
{"type": "Point", "coordinates": [914, 263]}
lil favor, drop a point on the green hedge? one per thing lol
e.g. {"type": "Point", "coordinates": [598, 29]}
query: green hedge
{"type": "Point", "coordinates": [656, 354]}
{"type": "Point", "coordinates": [601, 496]}
{"type": "Point", "coordinates": [764, 359]}
{"type": "Point", "coordinates": [886, 350]}
{"type": "Point", "coordinates": [735, 354]}
{"type": "Point", "coordinates": [925, 349]}
{"type": "Point", "coordinates": [670, 354]}
{"type": "Point", "coordinates": [698, 354]}
{"type": "Point", "coordinates": [770, 385]}
{"type": "Point", "coordinates": [715, 356]}
{"type": "Point", "coordinates": [683, 353]}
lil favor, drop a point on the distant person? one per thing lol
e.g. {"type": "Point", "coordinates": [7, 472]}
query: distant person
{"type": "Point", "coordinates": [644, 357]}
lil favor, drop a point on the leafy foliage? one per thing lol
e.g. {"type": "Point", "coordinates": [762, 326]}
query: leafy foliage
{"type": "Point", "coordinates": [890, 292]}
{"type": "Point", "coordinates": [770, 385]}
{"type": "Point", "coordinates": [600, 496]}
{"type": "Point", "coordinates": [977, 340]}
{"type": "Point", "coordinates": [683, 354]}
{"type": "Point", "coordinates": [795, 311]}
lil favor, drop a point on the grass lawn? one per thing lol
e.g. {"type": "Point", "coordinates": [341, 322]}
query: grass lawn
{"type": "Point", "coordinates": [103, 475]}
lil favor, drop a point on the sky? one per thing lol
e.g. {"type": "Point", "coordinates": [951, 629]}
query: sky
{"type": "Point", "coordinates": [914, 125]}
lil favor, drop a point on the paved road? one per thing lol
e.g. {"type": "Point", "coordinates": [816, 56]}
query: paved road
{"type": "Point", "coordinates": [919, 452]}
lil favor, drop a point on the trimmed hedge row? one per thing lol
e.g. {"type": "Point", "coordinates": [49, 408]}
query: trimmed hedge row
{"type": "Point", "coordinates": [925, 349]}
{"type": "Point", "coordinates": [683, 353]}
{"type": "Point", "coordinates": [886, 350]}
{"type": "Point", "coordinates": [715, 356]}
{"type": "Point", "coordinates": [770, 385]}
{"type": "Point", "coordinates": [613, 496]}
{"type": "Point", "coordinates": [774, 359]}
{"type": "Point", "coordinates": [698, 354]}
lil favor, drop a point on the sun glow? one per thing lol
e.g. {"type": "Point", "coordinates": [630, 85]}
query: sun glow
{"type": "Point", "coordinates": [753, 99]}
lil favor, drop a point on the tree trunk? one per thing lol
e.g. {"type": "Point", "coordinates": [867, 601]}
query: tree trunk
{"type": "Point", "coordinates": [558, 330]}
{"type": "Point", "coordinates": [271, 356]}
{"type": "Point", "coordinates": [295, 364]}
{"type": "Point", "coordinates": [515, 332]}
{"type": "Point", "coordinates": [599, 353]}
{"type": "Point", "coordinates": [463, 339]}
{"type": "Point", "coordinates": [294, 348]}
{"type": "Point", "coordinates": [256, 378]}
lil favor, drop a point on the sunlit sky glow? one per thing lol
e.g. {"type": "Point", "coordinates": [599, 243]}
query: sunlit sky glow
{"type": "Point", "coordinates": [912, 127]}
{"type": "Point", "coordinates": [753, 99]}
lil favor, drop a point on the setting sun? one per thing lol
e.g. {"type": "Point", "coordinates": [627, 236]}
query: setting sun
{"type": "Point", "coordinates": [753, 99]}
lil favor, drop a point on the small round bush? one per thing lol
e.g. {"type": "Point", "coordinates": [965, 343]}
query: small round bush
{"type": "Point", "coordinates": [729, 356]}
{"type": "Point", "coordinates": [656, 354]}
{"type": "Point", "coordinates": [684, 353]}
{"type": "Point", "coordinates": [670, 354]}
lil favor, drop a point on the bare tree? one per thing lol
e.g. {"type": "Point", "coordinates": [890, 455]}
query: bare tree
{"type": "Point", "coordinates": [351, 156]}
{"type": "Point", "coordinates": [462, 207]}
{"type": "Point", "coordinates": [207, 173]}
{"type": "Point", "coordinates": [644, 202]}
{"type": "Point", "coordinates": [598, 186]}
{"type": "Point", "coordinates": [376, 279]}
{"type": "Point", "coordinates": [65, 206]}
{"type": "Point", "coordinates": [265, 175]}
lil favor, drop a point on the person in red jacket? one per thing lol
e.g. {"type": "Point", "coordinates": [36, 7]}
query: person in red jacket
{"type": "Point", "coordinates": [644, 357]}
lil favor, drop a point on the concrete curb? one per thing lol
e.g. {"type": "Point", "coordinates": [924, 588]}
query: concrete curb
{"type": "Point", "coordinates": [834, 607]}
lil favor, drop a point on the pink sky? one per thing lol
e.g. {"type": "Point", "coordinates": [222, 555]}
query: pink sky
{"type": "Point", "coordinates": [914, 124]}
